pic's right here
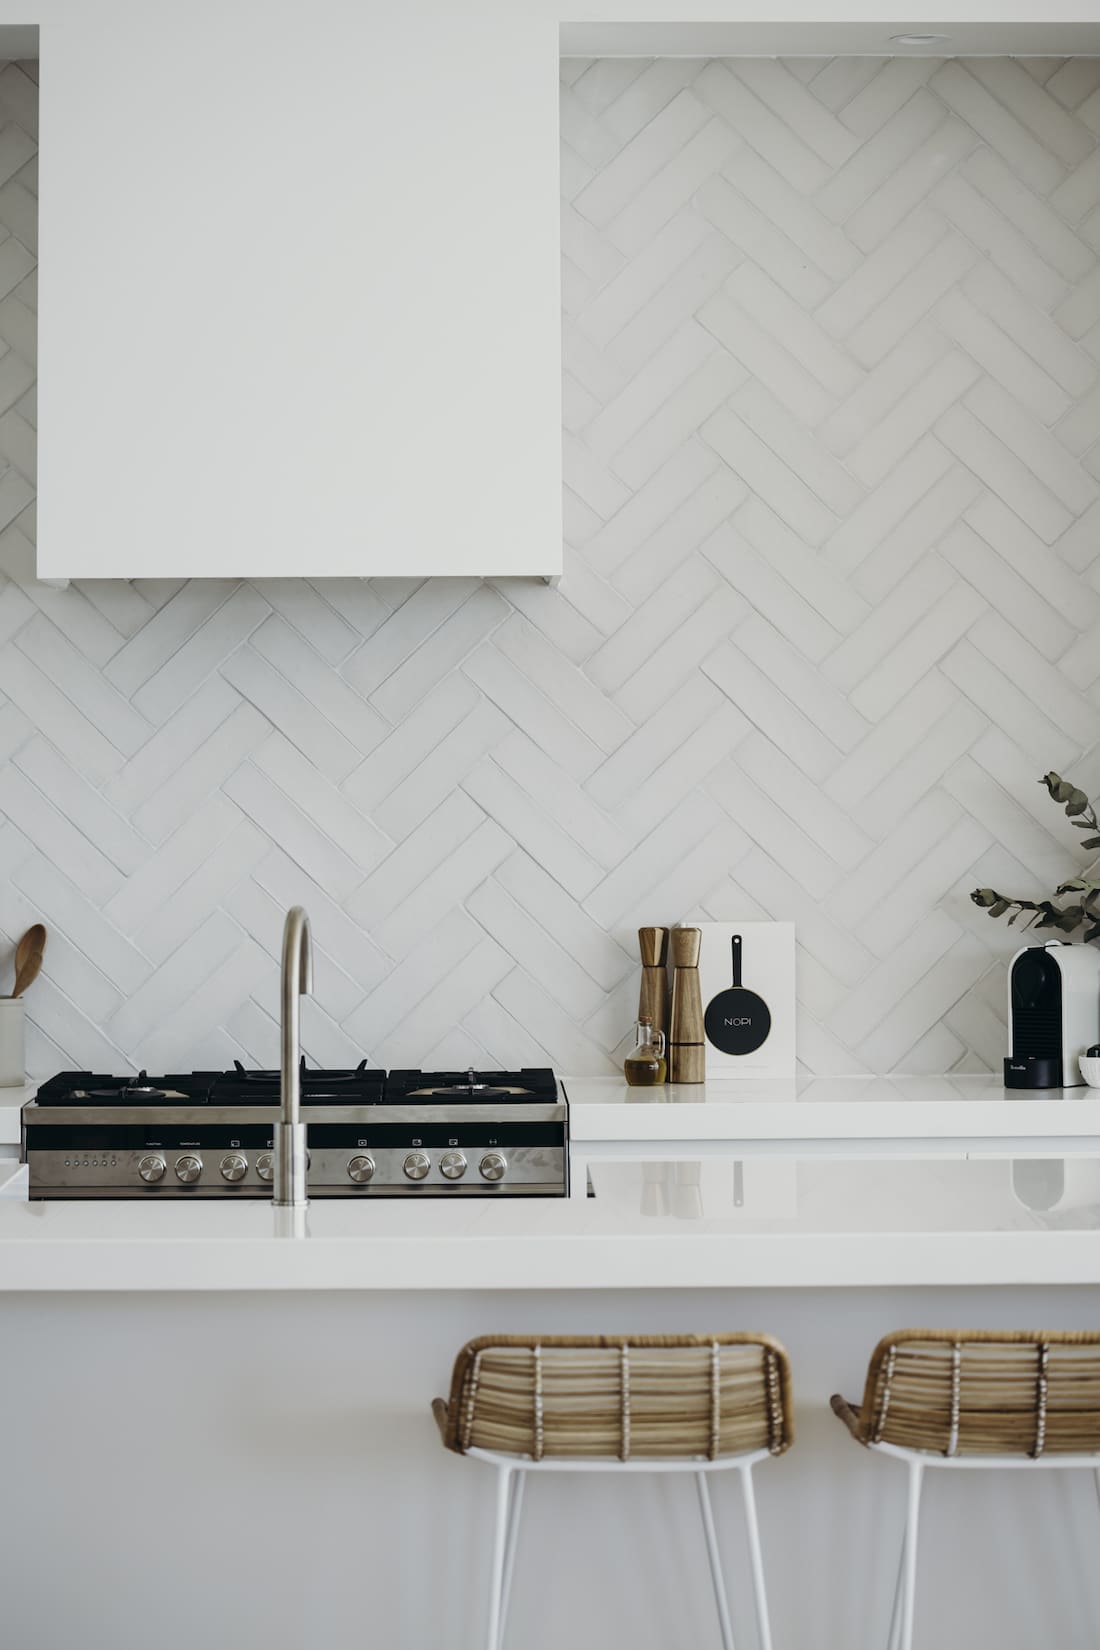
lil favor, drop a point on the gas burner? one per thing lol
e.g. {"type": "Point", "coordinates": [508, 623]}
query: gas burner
{"type": "Point", "coordinates": [479, 1087]}
{"type": "Point", "coordinates": [142, 1089]}
{"type": "Point", "coordinates": [356, 1085]}
{"type": "Point", "coordinates": [81, 1088]}
{"type": "Point", "coordinates": [136, 1092]}
{"type": "Point", "coordinates": [356, 1074]}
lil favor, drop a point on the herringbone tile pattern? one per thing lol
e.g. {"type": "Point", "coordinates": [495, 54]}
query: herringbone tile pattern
{"type": "Point", "coordinates": [832, 602]}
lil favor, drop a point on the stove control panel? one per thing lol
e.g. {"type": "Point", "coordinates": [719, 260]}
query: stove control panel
{"type": "Point", "coordinates": [334, 1171]}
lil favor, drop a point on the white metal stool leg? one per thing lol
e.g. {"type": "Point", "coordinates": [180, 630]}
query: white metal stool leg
{"type": "Point", "coordinates": [756, 1558]}
{"type": "Point", "coordinates": [916, 1477]}
{"type": "Point", "coordinates": [895, 1610]}
{"type": "Point", "coordinates": [715, 1561]}
{"type": "Point", "coordinates": [514, 1511]}
{"type": "Point", "coordinates": [496, 1581]}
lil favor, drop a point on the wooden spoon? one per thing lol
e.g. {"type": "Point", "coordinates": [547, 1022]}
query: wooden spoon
{"type": "Point", "coordinates": [28, 957]}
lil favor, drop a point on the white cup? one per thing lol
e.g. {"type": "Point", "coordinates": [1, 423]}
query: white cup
{"type": "Point", "coordinates": [13, 1059]}
{"type": "Point", "coordinates": [1090, 1070]}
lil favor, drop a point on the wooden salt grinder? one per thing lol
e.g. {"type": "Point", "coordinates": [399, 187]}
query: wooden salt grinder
{"type": "Point", "coordinates": [653, 995]}
{"type": "Point", "coordinates": [687, 1053]}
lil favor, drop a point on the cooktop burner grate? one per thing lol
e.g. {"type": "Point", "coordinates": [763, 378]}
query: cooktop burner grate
{"type": "Point", "coordinates": [476, 1087]}
{"type": "Point", "coordinates": [351, 1086]}
{"type": "Point", "coordinates": [356, 1085]}
{"type": "Point", "coordinates": [81, 1088]}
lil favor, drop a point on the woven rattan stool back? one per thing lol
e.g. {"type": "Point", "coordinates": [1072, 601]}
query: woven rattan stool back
{"type": "Point", "coordinates": [629, 1397]}
{"type": "Point", "coordinates": [980, 1392]}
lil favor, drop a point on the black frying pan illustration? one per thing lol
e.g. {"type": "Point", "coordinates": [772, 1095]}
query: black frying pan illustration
{"type": "Point", "coordinates": [737, 1021]}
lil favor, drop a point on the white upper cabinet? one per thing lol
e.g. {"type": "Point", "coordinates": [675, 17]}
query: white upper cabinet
{"type": "Point", "coordinates": [299, 308]}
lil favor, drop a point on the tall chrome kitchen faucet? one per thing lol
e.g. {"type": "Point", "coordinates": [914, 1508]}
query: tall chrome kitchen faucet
{"type": "Point", "coordinates": [291, 1157]}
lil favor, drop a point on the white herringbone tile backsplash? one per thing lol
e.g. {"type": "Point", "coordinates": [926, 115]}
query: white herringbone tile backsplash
{"type": "Point", "coordinates": [831, 606]}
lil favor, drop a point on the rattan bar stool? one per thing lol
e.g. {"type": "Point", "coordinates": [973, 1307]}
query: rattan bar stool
{"type": "Point", "coordinates": [637, 1403]}
{"type": "Point", "coordinates": [968, 1398]}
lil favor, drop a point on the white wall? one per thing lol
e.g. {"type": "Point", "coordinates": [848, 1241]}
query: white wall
{"type": "Point", "coordinates": [831, 606]}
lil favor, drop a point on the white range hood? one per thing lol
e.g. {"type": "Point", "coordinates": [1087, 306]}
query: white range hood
{"type": "Point", "coordinates": [299, 291]}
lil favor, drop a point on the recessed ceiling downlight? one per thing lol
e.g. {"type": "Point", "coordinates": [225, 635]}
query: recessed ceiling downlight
{"type": "Point", "coordinates": [918, 39]}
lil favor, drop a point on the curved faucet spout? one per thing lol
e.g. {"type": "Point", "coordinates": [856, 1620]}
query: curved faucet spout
{"type": "Point", "coordinates": [290, 1143]}
{"type": "Point", "coordinates": [297, 982]}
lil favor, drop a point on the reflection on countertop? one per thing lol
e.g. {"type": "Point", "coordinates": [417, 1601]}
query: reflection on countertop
{"type": "Point", "coordinates": [869, 1196]}
{"type": "Point", "coordinates": [710, 1222]}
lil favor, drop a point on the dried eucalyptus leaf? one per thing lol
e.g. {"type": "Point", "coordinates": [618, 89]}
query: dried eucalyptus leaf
{"type": "Point", "coordinates": [1044, 913]}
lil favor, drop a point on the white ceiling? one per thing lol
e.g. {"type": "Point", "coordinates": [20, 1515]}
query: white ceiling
{"type": "Point", "coordinates": [828, 39]}
{"type": "Point", "coordinates": [726, 38]}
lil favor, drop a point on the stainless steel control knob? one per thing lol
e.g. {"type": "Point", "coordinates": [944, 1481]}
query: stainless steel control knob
{"type": "Point", "coordinates": [416, 1165]}
{"type": "Point", "coordinates": [152, 1168]}
{"type": "Point", "coordinates": [265, 1166]}
{"type": "Point", "coordinates": [452, 1165]}
{"type": "Point", "coordinates": [493, 1166]}
{"type": "Point", "coordinates": [361, 1169]}
{"type": "Point", "coordinates": [233, 1166]}
{"type": "Point", "coordinates": [188, 1168]}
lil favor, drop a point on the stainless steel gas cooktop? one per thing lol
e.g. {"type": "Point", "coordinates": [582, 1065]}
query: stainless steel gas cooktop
{"type": "Point", "coordinates": [370, 1134]}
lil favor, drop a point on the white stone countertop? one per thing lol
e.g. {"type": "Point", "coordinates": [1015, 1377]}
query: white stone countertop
{"type": "Point", "coordinates": [950, 1109]}
{"type": "Point", "coordinates": [830, 1182]}
{"type": "Point", "coordinates": [717, 1221]}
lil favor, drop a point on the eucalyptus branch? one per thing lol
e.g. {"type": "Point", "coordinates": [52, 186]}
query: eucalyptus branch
{"type": "Point", "coordinates": [1082, 912]}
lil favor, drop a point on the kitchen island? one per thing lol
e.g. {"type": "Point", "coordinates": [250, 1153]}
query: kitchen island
{"type": "Point", "coordinates": [254, 1385]}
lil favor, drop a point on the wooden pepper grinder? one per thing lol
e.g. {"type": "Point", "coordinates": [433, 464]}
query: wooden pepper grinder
{"type": "Point", "coordinates": [687, 1053]}
{"type": "Point", "coordinates": [653, 996]}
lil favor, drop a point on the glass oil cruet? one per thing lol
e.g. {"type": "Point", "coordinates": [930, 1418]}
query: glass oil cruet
{"type": "Point", "coordinates": [646, 1065]}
